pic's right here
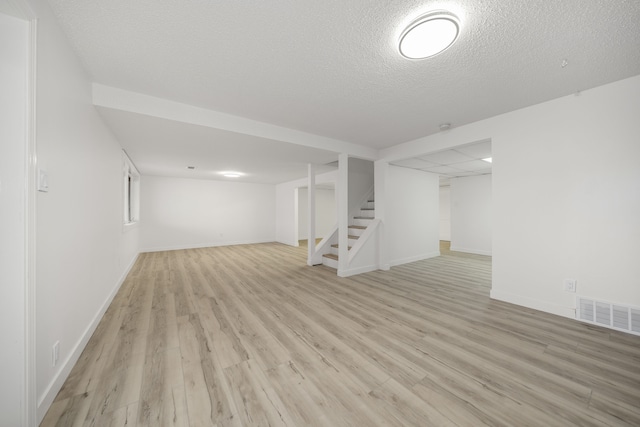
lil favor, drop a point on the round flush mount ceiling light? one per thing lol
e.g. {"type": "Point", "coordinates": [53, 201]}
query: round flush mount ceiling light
{"type": "Point", "coordinates": [429, 35]}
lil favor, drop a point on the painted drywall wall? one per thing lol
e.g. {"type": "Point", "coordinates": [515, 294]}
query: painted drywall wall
{"type": "Point", "coordinates": [325, 212]}
{"type": "Point", "coordinates": [13, 107]}
{"type": "Point", "coordinates": [360, 183]}
{"type": "Point", "coordinates": [412, 221]}
{"type": "Point", "coordinates": [287, 206]}
{"type": "Point", "coordinates": [82, 251]}
{"type": "Point", "coordinates": [179, 213]}
{"type": "Point", "coordinates": [445, 213]}
{"type": "Point", "coordinates": [471, 214]}
{"type": "Point", "coordinates": [566, 196]}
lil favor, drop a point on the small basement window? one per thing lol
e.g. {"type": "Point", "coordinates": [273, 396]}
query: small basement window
{"type": "Point", "coordinates": [131, 191]}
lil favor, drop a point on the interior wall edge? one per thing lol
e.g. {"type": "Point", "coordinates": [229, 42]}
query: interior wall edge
{"type": "Point", "coordinates": [207, 245]}
{"type": "Point", "coordinates": [400, 261]}
{"type": "Point", "coordinates": [48, 396]}
{"type": "Point", "coordinates": [471, 251]}
{"type": "Point", "coordinates": [533, 304]}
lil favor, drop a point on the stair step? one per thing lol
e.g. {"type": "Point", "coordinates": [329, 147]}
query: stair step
{"type": "Point", "coordinates": [351, 236]}
{"type": "Point", "coordinates": [363, 217]}
{"type": "Point", "coordinates": [358, 227]}
{"type": "Point", "coordinates": [331, 256]}
{"type": "Point", "coordinates": [367, 209]}
{"type": "Point", "coordinates": [337, 247]}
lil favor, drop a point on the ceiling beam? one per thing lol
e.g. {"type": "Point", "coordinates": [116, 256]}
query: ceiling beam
{"type": "Point", "coordinates": [119, 99]}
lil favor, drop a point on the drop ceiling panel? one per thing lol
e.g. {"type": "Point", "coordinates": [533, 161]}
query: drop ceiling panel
{"type": "Point", "coordinates": [473, 165]}
{"type": "Point", "coordinates": [481, 150]}
{"type": "Point", "coordinates": [447, 157]}
{"type": "Point", "coordinates": [415, 163]}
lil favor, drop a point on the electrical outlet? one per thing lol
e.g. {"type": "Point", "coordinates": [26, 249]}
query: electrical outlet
{"type": "Point", "coordinates": [55, 353]}
{"type": "Point", "coordinates": [570, 285]}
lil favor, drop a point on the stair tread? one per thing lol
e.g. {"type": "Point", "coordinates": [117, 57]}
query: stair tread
{"type": "Point", "coordinates": [367, 209]}
{"type": "Point", "coordinates": [359, 227]}
{"type": "Point", "coordinates": [337, 246]}
{"type": "Point", "coordinates": [351, 236]}
{"type": "Point", "coordinates": [363, 217]}
{"type": "Point", "coordinates": [332, 256]}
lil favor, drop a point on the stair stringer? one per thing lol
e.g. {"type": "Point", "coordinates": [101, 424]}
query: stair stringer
{"type": "Point", "coordinates": [324, 246]}
{"type": "Point", "coordinates": [363, 256]}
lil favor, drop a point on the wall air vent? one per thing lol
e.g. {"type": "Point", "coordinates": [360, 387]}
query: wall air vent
{"type": "Point", "coordinates": [614, 316]}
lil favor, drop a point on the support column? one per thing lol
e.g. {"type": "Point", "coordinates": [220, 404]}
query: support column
{"type": "Point", "coordinates": [311, 212]}
{"type": "Point", "coordinates": [343, 212]}
{"type": "Point", "coordinates": [381, 173]}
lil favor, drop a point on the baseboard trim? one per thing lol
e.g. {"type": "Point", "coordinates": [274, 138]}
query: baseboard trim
{"type": "Point", "coordinates": [46, 399]}
{"type": "Point", "coordinates": [401, 261]}
{"type": "Point", "coordinates": [206, 245]}
{"type": "Point", "coordinates": [470, 251]}
{"type": "Point", "coordinates": [359, 270]}
{"type": "Point", "coordinates": [534, 304]}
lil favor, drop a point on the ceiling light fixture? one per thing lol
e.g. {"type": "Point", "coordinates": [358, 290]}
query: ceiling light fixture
{"type": "Point", "coordinates": [231, 174]}
{"type": "Point", "coordinates": [429, 35]}
{"type": "Point", "coordinates": [488, 160]}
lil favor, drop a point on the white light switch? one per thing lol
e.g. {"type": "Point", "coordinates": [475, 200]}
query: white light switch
{"type": "Point", "coordinates": [43, 181]}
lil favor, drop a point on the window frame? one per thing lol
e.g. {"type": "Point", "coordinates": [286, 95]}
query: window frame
{"type": "Point", "coordinates": [131, 193]}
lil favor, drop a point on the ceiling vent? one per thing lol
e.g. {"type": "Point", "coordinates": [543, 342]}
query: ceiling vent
{"type": "Point", "coordinates": [614, 316]}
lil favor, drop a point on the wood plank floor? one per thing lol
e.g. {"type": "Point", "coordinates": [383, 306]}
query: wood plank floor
{"type": "Point", "coordinates": [251, 336]}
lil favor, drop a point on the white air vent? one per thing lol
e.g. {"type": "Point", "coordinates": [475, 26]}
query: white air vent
{"type": "Point", "coordinates": [613, 316]}
{"type": "Point", "coordinates": [635, 321]}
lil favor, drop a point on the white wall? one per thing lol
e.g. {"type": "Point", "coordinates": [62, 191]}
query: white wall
{"type": "Point", "coordinates": [471, 214]}
{"type": "Point", "coordinates": [287, 206]}
{"type": "Point", "coordinates": [325, 212]}
{"type": "Point", "coordinates": [445, 213]}
{"type": "Point", "coordinates": [412, 220]}
{"type": "Point", "coordinates": [82, 252]}
{"type": "Point", "coordinates": [13, 106]}
{"type": "Point", "coordinates": [360, 183]}
{"type": "Point", "coordinates": [567, 200]}
{"type": "Point", "coordinates": [566, 196]}
{"type": "Point", "coordinates": [179, 213]}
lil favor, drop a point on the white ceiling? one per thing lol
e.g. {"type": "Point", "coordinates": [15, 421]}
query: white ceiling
{"type": "Point", "coordinates": [165, 147]}
{"type": "Point", "coordinates": [331, 68]}
{"type": "Point", "coordinates": [462, 161]}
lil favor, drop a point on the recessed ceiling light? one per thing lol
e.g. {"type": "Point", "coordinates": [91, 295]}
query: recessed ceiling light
{"type": "Point", "coordinates": [429, 35]}
{"type": "Point", "coordinates": [488, 160]}
{"type": "Point", "coordinates": [231, 174]}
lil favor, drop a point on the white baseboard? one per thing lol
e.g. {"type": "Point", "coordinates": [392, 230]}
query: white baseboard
{"type": "Point", "coordinates": [470, 251]}
{"type": "Point", "coordinates": [359, 270]}
{"type": "Point", "coordinates": [46, 399]}
{"type": "Point", "coordinates": [534, 304]}
{"type": "Point", "coordinates": [401, 261]}
{"type": "Point", "coordinates": [206, 245]}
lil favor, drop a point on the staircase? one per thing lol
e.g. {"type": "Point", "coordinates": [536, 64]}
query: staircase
{"type": "Point", "coordinates": [357, 225]}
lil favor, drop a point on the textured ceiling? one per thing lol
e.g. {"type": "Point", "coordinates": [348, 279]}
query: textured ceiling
{"type": "Point", "coordinates": [332, 68]}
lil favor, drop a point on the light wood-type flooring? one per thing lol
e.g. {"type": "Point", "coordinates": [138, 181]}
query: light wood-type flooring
{"type": "Point", "coordinates": [251, 336]}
